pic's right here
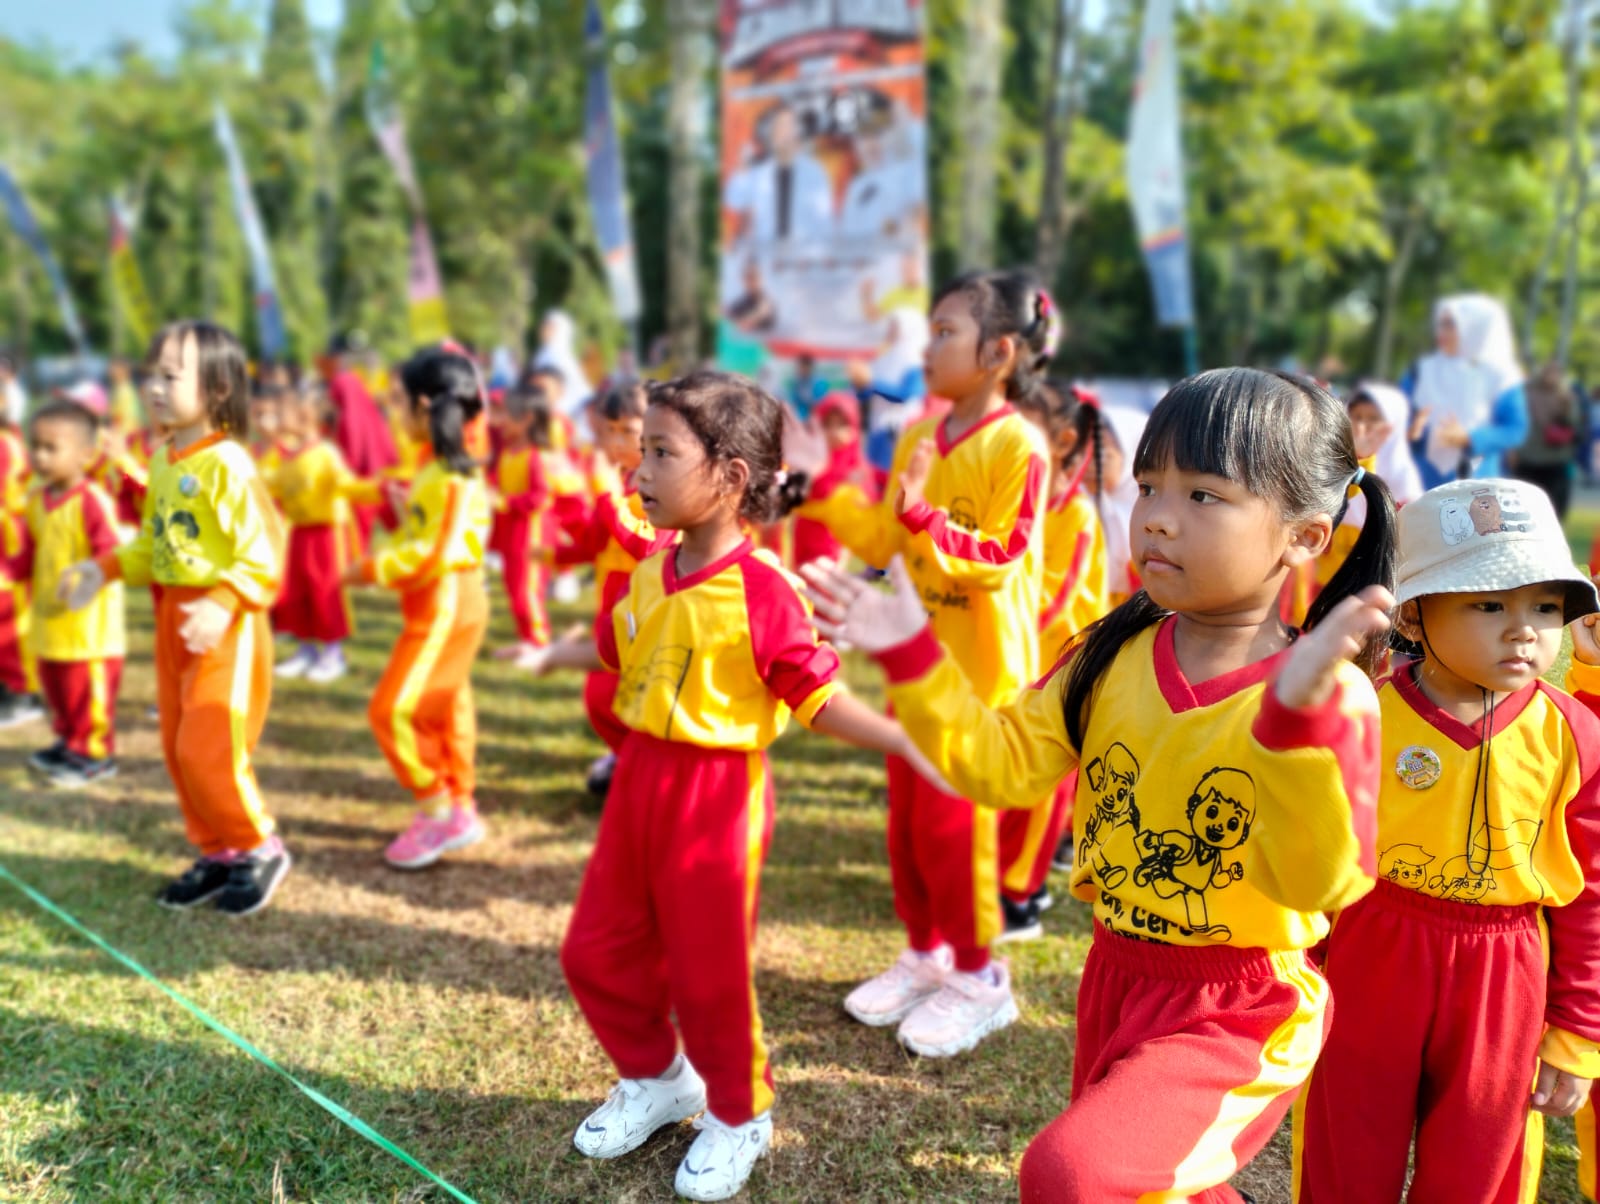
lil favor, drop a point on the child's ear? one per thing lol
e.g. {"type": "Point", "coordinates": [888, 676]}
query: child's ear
{"type": "Point", "coordinates": [1408, 621]}
{"type": "Point", "coordinates": [999, 352]}
{"type": "Point", "coordinates": [735, 477]}
{"type": "Point", "coordinates": [1310, 540]}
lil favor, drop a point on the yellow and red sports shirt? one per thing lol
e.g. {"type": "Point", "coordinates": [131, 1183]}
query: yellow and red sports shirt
{"type": "Point", "coordinates": [614, 535]}
{"type": "Point", "coordinates": [444, 529]}
{"type": "Point", "coordinates": [1075, 591]}
{"type": "Point", "coordinates": [208, 523]}
{"type": "Point", "coordinates": [313, 484]}
{"type": "Point", "coordinates": [60, 531]}
{"type": "Point", "coordinates": [1207, 812]}
{"type": "Point", "coordinates": [974, 546]}
{"type": "Point", "coordinates": [520, 481]}
{"type": "Point", "coordinates": [719, 658]}
{"type": "Point", "coordinates": [1528, 832]}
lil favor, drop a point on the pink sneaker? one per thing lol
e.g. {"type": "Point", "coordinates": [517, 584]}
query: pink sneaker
{"type": "Point", "coordinates": [893, 995]}
{"type": "Point", "coordinates": [966, 1010]}
{"type": "Point", "coordinates": [428, 839]}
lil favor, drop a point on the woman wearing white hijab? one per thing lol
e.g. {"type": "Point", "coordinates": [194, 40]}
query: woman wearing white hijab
{"type": "Point", "coordinates": [892, 383]}
{"type": "Point", "coordinates": [558, 349]}
{"type": "Point", "coordinates": [1469, 393]}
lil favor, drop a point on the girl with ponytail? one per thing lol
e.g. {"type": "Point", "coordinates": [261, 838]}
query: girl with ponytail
{"type": "Point", "coordinates": [965, 507]}
{"type": "Point", "coordinates": [1227, 769]}
{"type": "Point", "coordinates": [422, 711]}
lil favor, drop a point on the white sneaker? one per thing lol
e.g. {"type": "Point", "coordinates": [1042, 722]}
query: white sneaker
{"type": "Point", "coordinates": [722, 1157]}
{"type": "Point", "coordinates": [329, 666]}
{"type": "Point", "coordinates": [636, 1108]}
{"type": "Point", "coordinates": [494, 563]}
{"type": "Point", "coordinates": [566, 589]}
{"type": "Point", "coordinates": [296, 665]}
{"type": "Point", "coordinates": [893, 995]}
{"type": "Point", "coordinates": [965, 1011]}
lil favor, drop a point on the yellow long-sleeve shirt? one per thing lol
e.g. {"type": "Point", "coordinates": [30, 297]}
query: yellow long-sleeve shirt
{"type": "Point", "coordinates": [445, 529]}
{"type": "Point", "coordinates": [59, 532]}
{"type": "Point", "coordinates": [1208, 812]}
{"type": "Point", "coordinates": [208, 523]}
{"type": "Point", "coordinates": [1530, 833]}
{"type": "Point", "coordinates": [974, 547]}
{"type": "Point", "coordinates": [719, 658]}
{"type": "Point", "coordinates": [312, 484]}
{"type": "Point", "coordinates": [1075, 592]}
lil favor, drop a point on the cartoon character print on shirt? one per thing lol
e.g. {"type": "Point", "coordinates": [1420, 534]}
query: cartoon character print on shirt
{"type": "Point", "coordinates": [1189, 864]}
{"type": "Point", "coordinates": [1471, 876]}
{"type": "Point", "coordinates": [1405, 865]}
{"type": "Point", "coordinates": [1109, 832]}
{"type": "Point", "coordinates": [175, 541]}
{"type": "Point", "coordinates": [1461, 880]}
{"type": "Point", "coordinates": [964, 513]}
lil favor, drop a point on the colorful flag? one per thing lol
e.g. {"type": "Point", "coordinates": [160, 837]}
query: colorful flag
{"type": "Point", "coordinates": [126, 283]}
{"type": "Point", "coordinates": [269, 315]}
{"type": "Point", "coordinates": [28, 230]}
{"type": "Point", "coordinates": [1155, 169]}
{"type": "Point", "coordinates": [608, 187]}
{"type": "Point", "coordinates": [429, 321]}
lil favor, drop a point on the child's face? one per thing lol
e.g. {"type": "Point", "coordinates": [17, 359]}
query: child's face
{"type": "Point", "coordinates": [552, 386]}
{"type": "Point", "coordinates": [619, 439]}
{"type": "Point", "coordinates": [1207, 546]}
{"type": "Point", "coordinates": [59, 451]}
{"type": "Point", "coordinates": [176, 399]}
{"type": "Point", "coordinates": [677, 484]}
{"type": "Point", "coordinates": [1499, 641]}
{"type": "Point", "coordinates": [836, 429]}
{"type": "Point", "coordinates": [951, 361]}
{"type": "Point", "coordinates": [266, 419]}
{"type": "Point", "coordinates": [1368, 427]}
{"type": "Point", "coordinates": [514, 428]}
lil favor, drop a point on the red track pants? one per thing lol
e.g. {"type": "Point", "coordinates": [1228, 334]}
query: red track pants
{"type": "Point", "coordinates": [1028, 841]}
{"type": "Point", "coordinates": [1187, 1060]}
{"type": "Point", "coordinates": [1441, 1007]}
{"type": "Point", "coordinates": [83, 703]}
{"type": "Point", "coordinates": [666, 917]}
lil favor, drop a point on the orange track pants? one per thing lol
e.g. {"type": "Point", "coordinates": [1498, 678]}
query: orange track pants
{"type": "Point", "coordinates": [213, 707]}
{"type": "Point", "coordinates": [422, 711]}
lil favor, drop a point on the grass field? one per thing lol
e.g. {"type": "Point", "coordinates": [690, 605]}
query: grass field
{"type": "Point", "coordinates": [432, 1005]}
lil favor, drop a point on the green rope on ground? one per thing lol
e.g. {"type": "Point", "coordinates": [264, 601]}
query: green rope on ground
{"type": "Point", "coordinates": [327, 1105]}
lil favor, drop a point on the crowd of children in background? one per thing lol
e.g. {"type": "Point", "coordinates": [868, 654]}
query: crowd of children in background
{"type": "Point", "coordinates": [1076, 594]}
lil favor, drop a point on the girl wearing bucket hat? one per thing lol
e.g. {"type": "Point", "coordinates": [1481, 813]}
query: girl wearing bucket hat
{"type": "Point", "coordinates": [1473, 969]}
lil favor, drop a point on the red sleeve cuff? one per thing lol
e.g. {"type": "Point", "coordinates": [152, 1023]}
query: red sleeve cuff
{"type": "Point", "coordinates": [918, 518]}
{"type": "Point", "coordinates": [913, 659]}
{"type": "Point", "coordinates": [1279, 728]}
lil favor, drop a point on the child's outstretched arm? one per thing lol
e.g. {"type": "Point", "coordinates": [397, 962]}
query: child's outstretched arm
{"type": "Point", "coordinates": [1007, 757]}
{"type": "Point", "coordinates": [1317, 747]}
{"type": "Point", "coordinates": [849, 719]}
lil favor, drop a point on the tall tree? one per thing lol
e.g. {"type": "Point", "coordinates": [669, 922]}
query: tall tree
{"type": "Point", "coordinates": [1066, 66]}
{"type": "Point", "coordinates": [290, 119]}
{"type": "Point", "coordinates": [688, 25]}
{"type": "Point", "coordinates": [982, 58]}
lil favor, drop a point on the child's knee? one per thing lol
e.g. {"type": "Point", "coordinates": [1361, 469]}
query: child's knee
{"type": "Point", "coordinates": [1064, 1165]}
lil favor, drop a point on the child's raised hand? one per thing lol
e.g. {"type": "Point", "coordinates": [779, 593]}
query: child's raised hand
{"type": "Point", "coordinates": [804, 447]}
{"type": "Point", "coordinates": [78, 585]}
{"type": "Point", "coordinates": [1308, 675]}
{"type": "Point", "coordinates": [1586, 640]}
{"type": "Point", "coordinates": [848, 610]}
{"type": "Point", "coordinates": [1559, 1092]}
{"type": "Point", "coordinates": [205, 626]}
{"type": "Point", "coordinates": [914, 477]}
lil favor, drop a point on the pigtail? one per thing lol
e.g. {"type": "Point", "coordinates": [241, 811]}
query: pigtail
{"type": "Point", "coordinates": [1371, 562]}
{"type": "Point", "coordinates": [446, 384]}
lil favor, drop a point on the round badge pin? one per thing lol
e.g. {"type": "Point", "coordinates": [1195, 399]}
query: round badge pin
{"type": "Point", "coordinates": [1418, 767]}
{"type": "Point", "coordinates": [188, 485]}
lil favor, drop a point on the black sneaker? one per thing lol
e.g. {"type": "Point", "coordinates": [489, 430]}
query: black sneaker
{"type": "Point", "coordinates": [47, 759]}
{"type": "Point", "coordinates": [200, 883]}
{"type": "Point", "coordinates": [599, 779]}
{"type": "Point", "coordinates": [1022, 921]}
{"type": "Point", "coordinates": [1042, 899]}
{"type": "Point", "coordinates": [1062, 859]}
{"type": "Point", "coordinates": [17, 709]}
{"type": "Point", "coordinates": [75, 770]}
{"type": "Point", "coordinates": [253, 879]}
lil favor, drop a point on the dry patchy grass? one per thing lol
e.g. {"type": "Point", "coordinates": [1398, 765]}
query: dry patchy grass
{"type": "Point", "coordinates": [433, 1006]}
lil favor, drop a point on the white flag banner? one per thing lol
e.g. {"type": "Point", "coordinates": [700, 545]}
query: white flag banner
{"type": "Point", "coordinates": [1155, 168]}
{"type": "Point", "coordinates": [269, 317]}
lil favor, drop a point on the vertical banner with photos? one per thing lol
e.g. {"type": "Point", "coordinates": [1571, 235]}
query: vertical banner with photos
{"type": "Point", "coordinates": [824, 211]}
{"type": "Point", "coordinates": [269, 314]}
{"type": "Point", "coordinates": [1155, 168]}
{"type": "Point", "coordinates": [425, 307]}
{"type": "Point", "coordinates": [608, 190]}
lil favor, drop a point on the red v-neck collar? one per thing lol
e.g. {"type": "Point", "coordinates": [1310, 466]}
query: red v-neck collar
{"type": "Point", "coordinates": [947, 445]}
{"type": "Point", "coordinates": [51, 504]}
{"type": "Point", "coordinates": [669, 570]}
{"type": "Point", "coordinates": [1182, 696]}
{"type": "Point", "coordinates": [1467, 735]}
